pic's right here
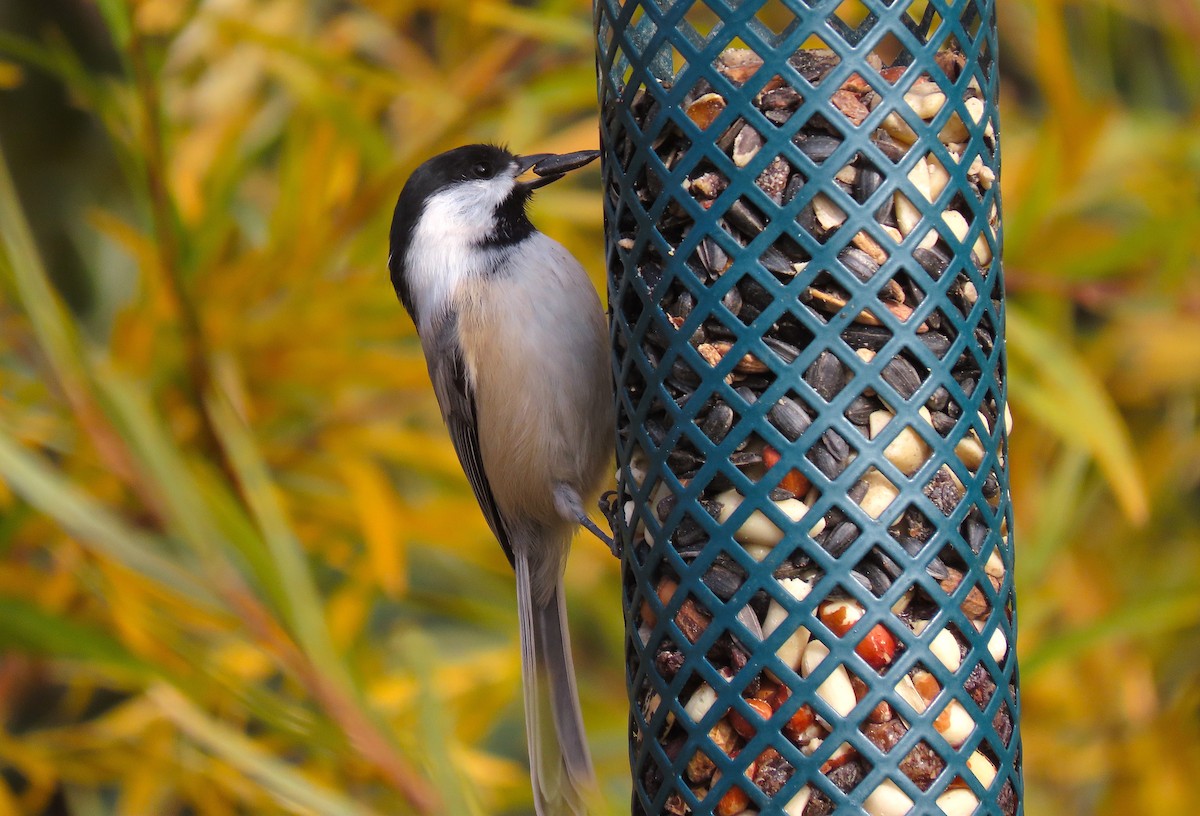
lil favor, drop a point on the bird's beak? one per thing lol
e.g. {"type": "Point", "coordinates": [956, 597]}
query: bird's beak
{"type": "Point", "coordinates": [550, 167]}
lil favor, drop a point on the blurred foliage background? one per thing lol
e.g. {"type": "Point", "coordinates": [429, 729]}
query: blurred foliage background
{"type": "Point", "coordinates": [240, 571]}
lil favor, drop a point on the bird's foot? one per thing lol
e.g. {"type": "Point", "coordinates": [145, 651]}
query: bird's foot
{"type": "Point", "coordinates": [570, 507]}
{"type": "Point", "coordinates": [610, 507]}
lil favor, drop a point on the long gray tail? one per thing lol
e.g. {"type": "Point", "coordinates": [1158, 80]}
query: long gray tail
{"type": "Point", "coordinates": [559, 762]}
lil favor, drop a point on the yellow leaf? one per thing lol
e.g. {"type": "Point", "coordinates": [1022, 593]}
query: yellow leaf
{"type": "Point", "coordinates": [379, 515]}
{"type": "Point", "coordinates": [346, 612]}
{"type": "Point", "coordinates": [8, 804]}
{"type": "Point", "coordinates": [11, 76]}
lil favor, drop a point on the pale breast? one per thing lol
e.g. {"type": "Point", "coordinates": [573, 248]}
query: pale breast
{"type": "Point", "coordinates": [539, 361]}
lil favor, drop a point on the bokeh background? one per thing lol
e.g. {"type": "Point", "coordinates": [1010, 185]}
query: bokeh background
{"type": "Point", "coordinates": [240, 571]}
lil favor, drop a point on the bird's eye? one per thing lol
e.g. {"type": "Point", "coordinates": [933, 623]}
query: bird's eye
{"type": "Point", "coordinates": [482, 170]}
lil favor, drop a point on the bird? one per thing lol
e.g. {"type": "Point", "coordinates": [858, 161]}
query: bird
{"type": "Point", "coordinates": [516, 343]}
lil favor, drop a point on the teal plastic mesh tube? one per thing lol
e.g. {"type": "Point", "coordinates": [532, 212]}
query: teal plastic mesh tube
{"type": "Point", "coordinates": [803, 233]}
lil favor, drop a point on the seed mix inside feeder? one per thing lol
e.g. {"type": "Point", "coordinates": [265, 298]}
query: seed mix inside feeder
{"type": "Point", "coordinates": [819, 464]}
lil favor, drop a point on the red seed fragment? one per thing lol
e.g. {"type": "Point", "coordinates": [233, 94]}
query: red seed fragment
{"type": "Point", "coordinates": [840, 757]}
{"type": "Point", "coordinates": [794, 481]}
{"type": "Point", "coordinates": [878, 647]}
{"type": "Point", "coordinates": [850, 105]}
{"type": "Point", "coordinates": [836, 616]}
{"type": "Point", "coordinates": [743, 726]}
{"type": "Point", "coordinates": [800, 721]}
{"type": "Point", "coordinates": [733, 802]}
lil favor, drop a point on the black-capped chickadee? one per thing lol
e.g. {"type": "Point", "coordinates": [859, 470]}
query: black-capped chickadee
{"type": "Point", "coordinates": [516, 344]}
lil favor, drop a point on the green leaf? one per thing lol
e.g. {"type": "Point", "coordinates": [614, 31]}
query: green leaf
{"type": "Point", "coordinates": [209, 533]}
{"type": "Point", "coordinates": [1144, 617]}
{"type": "Point", "coordinates": [27, 627]}
{"type": "Point", "coordinates": [21, 262]}
{"type": "Point", "coordinates": [1049, 534]}
{"type": "Point", "coordinates": [100, 530]}
{"type": "Point", "coordinates": [1058, 390]}
{"type": "Point", "coordinates": [117, 19]}
{"type": "Point", "coordinates": [302, 602]}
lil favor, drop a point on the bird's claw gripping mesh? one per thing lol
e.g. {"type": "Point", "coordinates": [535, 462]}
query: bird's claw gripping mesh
{"type": "Point", "coordinates": [807, 309]}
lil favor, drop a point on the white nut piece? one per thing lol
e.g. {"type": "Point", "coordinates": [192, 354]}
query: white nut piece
{"type": "Point", "coordinates": [925, 98]}
{"type": "Point", "coordinates": [887, 800]}
{"type": "Point", "coordinates": [982, 249]}
{"type": "Point", "coordinates": [796, 805]}
{"type": "Point", "coordinates": [644, 633]}
{"type": "Point", "coordinates": [954, 131]}
{"type": "Point", "coordinates": [630, 508]}
{"type": "Point", "coordinates": [836, 690]}
{"type": "Point", "coordinates": [975, 109]}
{"type": "Point", "coordinates": [982, 768]}
{"type": "Point", "coordinates": [946, 471]}
{"type": "Point", "coordinates": [938, 177]}
{"type": "Point", "coordinates": [908, 451]}
{"type": "Point", "coordinates": [757, 528]}
{"type": "Point", "coordinates": [798, 588]}
{"type": "Point", "coordinates": [880, 494]}
{"type": "Point", "coordinates": [944, 647]}
{"type": "Point", "coordinates": [997, 645]}
{"type": "Point", "coordinates": [639, 467]}
{"type": "Point", "coordinates": [907, 214]}
{"type": "Point", "coordinates": [908, 692]}
{"type": "Point", "coordinates": [758, 552]}
{"type": "Point", "coordinates": [903, 601]}
{"type": "Point", "coordinates": [847, 175]}
{"type": "Point", "coordinates": [995, 564]}
{"type": "Point", "coordinates": [700, 702]}
{"type": "Point", "coordinates": [829, 215]}
{"type": "Point", "coordinates": [954, 723]}
{"type": "Point", "coordinates": [790, 650]}
{"type": "Point", "coordinates": [898, 129]}
{"type": "Point", "coordinates": [957, 802]}
{"type": "Point", "coordinates": [957, 223]}
{"type": "Point", "coordinates": [981, 174]}
{"type": "Point", "coordinates": [919, 176]}
{"type": "Point", "coordinates": [970, 450]}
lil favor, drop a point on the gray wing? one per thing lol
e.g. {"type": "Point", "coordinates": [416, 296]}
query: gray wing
{"type": "Point", "coordinates": [456, 397]}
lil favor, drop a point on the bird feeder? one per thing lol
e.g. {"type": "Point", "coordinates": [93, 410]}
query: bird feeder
{"type": "Point", "coordinates": [803, 243]}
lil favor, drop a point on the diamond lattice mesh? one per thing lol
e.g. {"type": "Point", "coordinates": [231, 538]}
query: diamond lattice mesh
{"type": "Point", "coordinates": [803, 238]}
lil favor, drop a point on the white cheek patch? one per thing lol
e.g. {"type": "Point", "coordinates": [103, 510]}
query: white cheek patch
{"type": "Point", "coordinates": [446, 247]}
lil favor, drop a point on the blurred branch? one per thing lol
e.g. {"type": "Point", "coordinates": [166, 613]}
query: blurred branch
{"type": "Point", "coordinates": [197, 363]}
{"type": "Point", "coordinates": [107, 534]}
{"type": "Point", "coordinates": [58, 338]}
{"type": "Point", "coordinates": [319, 666]}
{"type": "Point", "coordinates": [250, 758]}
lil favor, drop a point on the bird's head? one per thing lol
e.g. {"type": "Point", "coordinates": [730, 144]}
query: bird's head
{"type": "Point", "coordinates": [469, 199]}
